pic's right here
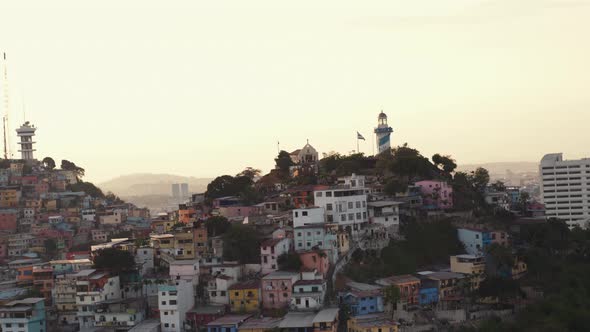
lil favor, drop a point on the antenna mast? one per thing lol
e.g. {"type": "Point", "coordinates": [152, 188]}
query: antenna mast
{"type": "Point", "coordinates": [5, 124]}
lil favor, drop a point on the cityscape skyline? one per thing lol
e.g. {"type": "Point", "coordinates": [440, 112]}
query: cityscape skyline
{"type": "Point", "coordinates": [209, 90]}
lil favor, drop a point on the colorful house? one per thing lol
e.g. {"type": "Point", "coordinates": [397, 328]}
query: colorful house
{"type": "Point", "coordinates": [245, 296]}
{"type": "Point", "coordinates": [199, 316]}
{"type": "Point", "coordinates": [363, 302]}
{"type": "Point", "coordinates": [408, 285]}
{"type": "Point", "coordinates": [277, 289]}
{"type": "Point", "coordinates": [326, 320]}
{"type": "Point", "coordinates": [315, 260]}
{"type": "Point", "coordinates": [270, 250]}
{"type": "Point", "coordinates": [436, 195]}
{"type": "Point", "coordinates": [228, 323]}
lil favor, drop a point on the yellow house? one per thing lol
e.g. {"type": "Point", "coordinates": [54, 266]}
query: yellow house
{"type": "Point", "coordinates": [471, 265]}
{"type": "Point", "coordinates": [372, 323]}
{"type": "Point", "coordinates": [9, 197]}
{"type": "Point", "coordinates": [245, 296]}
{"type": "Point", "coordinates": [183, 246]}
{"type": "Point", "coordinates": [326, 320]}
{"type": "Point", "coordinates": [163, 241]}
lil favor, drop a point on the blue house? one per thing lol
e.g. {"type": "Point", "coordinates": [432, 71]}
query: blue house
{"type": "Point", "coordinates": [229, 323]}
{"type": "Point", "coordinates": [363, 302]}
{"type": "Point", "coordinates": [428, 292]}
{"type": "Point", "coordinates": [474, 240]}
{"type": "Point", "coordinates": [24, 315]}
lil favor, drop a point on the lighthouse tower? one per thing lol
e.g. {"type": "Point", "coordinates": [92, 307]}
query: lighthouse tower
{"type": "Point", "coordinates": [383, 133]}
{"type": "Point", "coordinates": [26, 133]}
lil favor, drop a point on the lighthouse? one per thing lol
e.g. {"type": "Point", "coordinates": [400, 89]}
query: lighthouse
{"type": "Point", "coordinates": [383, 133]}
{"type": "Point", "coordinates": [26, 132]}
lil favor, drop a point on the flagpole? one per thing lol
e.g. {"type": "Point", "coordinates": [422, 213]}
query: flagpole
{"type": "Point", "coordinates": [357, 143]}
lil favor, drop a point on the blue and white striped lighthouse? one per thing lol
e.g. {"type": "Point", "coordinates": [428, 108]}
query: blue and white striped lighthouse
{"type": "Point", "coordinates": [383, 134]}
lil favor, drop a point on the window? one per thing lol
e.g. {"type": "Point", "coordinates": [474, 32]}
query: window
{"type": "Point", "coordinates": [342, 217]}
{"type": "Point", "coordinates": [172, 302]}
{"type": "Point", "coordinates": [163, 302]}
{"type": "Point", "coordinates": [318, 194]}
{"type": "Point", "coordinates": [304, 213]}
{"type": "Point", "coordinates": [329, 207]}
{"type": "Point", "coordinates": [330, 218]}
{"type": "Point", "coordinates": [236, 293]}
{"type": "Point", "coordinates": [358, 216]}
{"type": "Point", "coordinates": [296, 214]}
{"type": "Point", "coordinates": [285, 295]}
{"type": "Point", "coordinates": [358, 204]}
{"type": "Point", "coordinates": [350, 205]}
{"type": "Point", "coordinates": [351, 216]}
{"type": "Point", "coordinates": [222, 293]}
{"type": "Point", "coordinates": [166, 325]}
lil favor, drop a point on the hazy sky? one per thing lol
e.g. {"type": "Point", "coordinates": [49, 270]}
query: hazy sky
{"type": "Point", "coordinates": [205, 88]}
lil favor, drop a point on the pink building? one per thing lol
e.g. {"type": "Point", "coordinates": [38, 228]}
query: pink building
{"type": "Point", "coordinates": [277, 289]}
{"type": "Point", "coordinates": [436, 194]}
{"type": "Point", "coordinates": [315, 260]}
{"type": "Point", "coordinates": [270, 250]}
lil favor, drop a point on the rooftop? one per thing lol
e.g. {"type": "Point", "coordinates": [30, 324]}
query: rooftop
{"type": "Point", "coordinates": [250, 284]}
{"type": "Point", "coordinates": [297, 319]}
{"type": "Point", "coordinates": [444, 275]}
{"type": "Point", "coordinates": [310, 282]}
{"type": "Point", "coordinates": [326, 315]}
{"type": "Point", "coordinates": [401, 279]}
{"type": "Point", "coordinates": [265, 323]}
{"type": "Point", "coordinates": [208, 310]}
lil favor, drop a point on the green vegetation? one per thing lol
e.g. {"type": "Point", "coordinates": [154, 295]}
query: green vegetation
{"type": "Point", "coordinates": [70, 166]}
{"type": "Point", "coordinates": [226, 185]}
{"type": "Point", "coordinates": [289, 262]}
{"type": "Point", "coordinates": [283, 162]}
{"type": "Point", "coordinates": [426, 244]}
{"type": "Point", "coordinates": [114, 259]}
{"type": "Point", "coordinates": [217, 226]}
{"type": "Point", "coordinates": [241, 243]}
{"type": "Point", "coordinates": [86, 187]}
{"type": "Point", "coordinates": [48, 163]}
{"type": "Point", "coordinates": [339, 165]}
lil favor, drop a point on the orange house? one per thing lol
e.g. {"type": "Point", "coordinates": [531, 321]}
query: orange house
{"type": "Point", "coordinates": [24, 273]}
{"type": "Point", "coordinates": [315, 260]}
{"type": "Point", "coordinates": [409, 286]}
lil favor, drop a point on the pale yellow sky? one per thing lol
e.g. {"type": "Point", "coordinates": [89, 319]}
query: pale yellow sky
{"type": "Point", "coordinates": [206, 88]}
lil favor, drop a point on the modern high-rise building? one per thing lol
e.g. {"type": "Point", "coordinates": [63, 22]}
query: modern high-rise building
{"type": "Point", "coordinates": [565, 188]}
{"type": "Point", "coordinates": [26, 132]}
{"type": "Point", "coordinates": [383, 133]}
{"type": "Point", "coordinates": [175, 190]}
{"type": "Point", "coordinates": [184, 190]}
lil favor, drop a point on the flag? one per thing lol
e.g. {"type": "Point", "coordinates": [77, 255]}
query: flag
{"type": "Point", "coordinates": [359, 136]}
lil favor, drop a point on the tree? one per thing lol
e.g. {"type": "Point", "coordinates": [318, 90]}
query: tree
{"type": "Point", "coordinates": [283, 162]}
{"type": "Point", "coordinates": [227, 185]}
{"type": "Point", "coordinates": [480, 179]}
{"type": "Point", "coordinates": [70, 166]}
{"type": "Point", "coordinates": [87, 187]}
{"type": "Point", "coordinates": [499, 260]}
{"type": "Point", "coordinates": [498, 186]}
{"type": "Point", "coordinates": [408, 162]}
{"type": "Point", "coordinates": [114, 259]}
{"type": "Point", "coordinates": [241, 243]}
{"type": "Point", "coordinates": [217, 226]}
{"type": "Point", "coordinates": [250, 173]}
{"type": "Point", "coordinates": [289, 262]}
{"type": "Point", "coordinates": [444, 163]}
{"type": "Point", "coordinates": [48, 163]}
{"type": "Point", "coordinates": [114, 199]}
{"type": "Point", "coordinates": [391, 296]}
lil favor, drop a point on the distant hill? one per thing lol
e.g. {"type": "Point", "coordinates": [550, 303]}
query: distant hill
{"type": "Point", "coordinates": [147, 184]}
{"type": "Point", "coordinates": [499, 168]}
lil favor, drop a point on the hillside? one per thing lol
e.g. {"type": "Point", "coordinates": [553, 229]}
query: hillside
{"type": "Point", "coordinates": [147, 184]}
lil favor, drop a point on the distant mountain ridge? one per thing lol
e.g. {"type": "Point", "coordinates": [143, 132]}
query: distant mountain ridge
{"type": "Point", "coordinates": [501, 167]}
{"type": "Point", "coordinates": [149, 184]}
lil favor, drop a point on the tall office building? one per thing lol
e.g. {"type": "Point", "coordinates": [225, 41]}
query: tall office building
{"type": "Point", "coordinates": [184, 190]}
{"type": "Point", "coordinates": [175, 190]}
{"type": "Point", "coordinates": [565, 188]}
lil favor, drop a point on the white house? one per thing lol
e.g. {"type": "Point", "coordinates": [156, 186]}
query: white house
{"type": "Point", "coordinates": [174, 300]}
{"type": "Point", "coordinates": [307, 216]}
{"type": "Point", "coordinates": [385, 213]}
{"type": "Point", "coordinates": [270, 250]}
{"type": "Point", "coordinates": [187, 270]}
{"type": "Point", "coordinates": [345, 204]}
